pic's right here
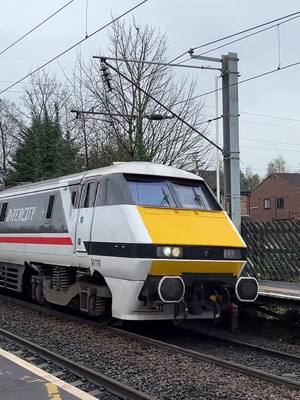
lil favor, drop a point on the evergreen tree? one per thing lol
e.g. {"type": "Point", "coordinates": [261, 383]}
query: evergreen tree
{"type": "Point", "coordinates": [43, 152]}
{"type": "Point", "coordinates": [70, 159]}
{"type": "Point", "coordinates": [249, 180]}
{"type": "Point", "coordinates": [26, 161]}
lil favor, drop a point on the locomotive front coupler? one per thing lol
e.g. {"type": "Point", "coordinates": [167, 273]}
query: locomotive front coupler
{"type": "Point", "coordinates": [176, 320]}
{"type": "Point", "coordinates": [233, 311]}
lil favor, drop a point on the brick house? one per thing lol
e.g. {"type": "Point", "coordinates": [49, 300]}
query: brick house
{"type": "Point", "coordinates": [210, 178]}
{"type": "Point", "coordinates": [276, 197]}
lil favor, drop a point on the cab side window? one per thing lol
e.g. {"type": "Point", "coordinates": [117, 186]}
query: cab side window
{"type": "Point", "coordinates": [112, 193]}
{"type": "Point", "coordinates": [50, 207]}
{"type": "Point", "coordinates": [73, 197]}
{"type": "Point", "coordinates": [89, 195]}
{"type": "Point", "coordinates": [3, 212]}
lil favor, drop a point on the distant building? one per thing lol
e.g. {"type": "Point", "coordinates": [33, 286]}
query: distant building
{"type": "Point", "coordinates": [276, 197]}
{"type": "Point", "coordinates": [210, 178]}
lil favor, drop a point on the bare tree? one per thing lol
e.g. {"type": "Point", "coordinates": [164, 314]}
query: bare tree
{"type": "Point", "coordinates": [278, 165]}
{"type": "Point", "coordinates": [84, 129]}
{"type": "Point", "coordinates": [45, 94]}
{"type": "Point", "coordinates": [10, 126]}
{"type": "Point", "coordinates": [124, 133]}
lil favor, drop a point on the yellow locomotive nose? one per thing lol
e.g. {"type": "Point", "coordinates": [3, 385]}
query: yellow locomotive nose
{"type": "Point", "coordinates": [190, 227]}
{"type": "Point", "coordinates": [211, 229]}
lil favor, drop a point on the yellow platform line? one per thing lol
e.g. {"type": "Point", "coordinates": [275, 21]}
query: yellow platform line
{"type": "Point", "coordinates": [53, 392]}
{"type": "Point", "coordinates": [56, 382]}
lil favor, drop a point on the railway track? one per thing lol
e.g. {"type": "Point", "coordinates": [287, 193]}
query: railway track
{"type": "Point", "coordinates": [212, 359]}
{"type": "Point", "coordinates": [194, 354]}
{"type": "Point", "coordinates": [118, 389]}
{"type": "Point", "coordinates": [250, 346]}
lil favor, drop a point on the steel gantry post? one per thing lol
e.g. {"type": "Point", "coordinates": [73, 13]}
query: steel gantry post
{"type": "Point", "coordinates": [231, 150]}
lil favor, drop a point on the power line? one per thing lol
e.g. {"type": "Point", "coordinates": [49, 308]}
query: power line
{"type": "Point", "coordinates": [36, 27]}
{"type": "Point", "coordinates": [293, 16]}
{"type": "Point", "coordinates": [245, 121]}
{"type": "Point", "coordinates": [271, 116]}
{"type": "Point", "coordinates": [162, 105]}
{"type": "Point", "coordinates": [238, 83]}
{"type": "Point", "coordinates": [269, 148]}
{"type": "Point", "coordinates": [249, 35]}
{"type": "Point", "coordinates": [73, 46]}
{"type": "Point", "coordinates": [170, 63]}
{"type": "Point", "coordinates": [288, 17]}
{"type": "Point", "coordinates": [270, 141]}
{"type": "Point", "coordinates": [245, 31]}
{"type": "Point", "coordinates": [263, 115]}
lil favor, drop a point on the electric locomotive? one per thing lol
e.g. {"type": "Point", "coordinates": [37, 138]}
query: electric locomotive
{"type": "Point", "coordinates": [136, 241]}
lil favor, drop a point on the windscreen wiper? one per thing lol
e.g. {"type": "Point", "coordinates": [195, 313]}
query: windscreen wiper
{"type": "Point", "coordinates": [165, 198]}
{"type": "Point", "coordinates": [198, 200]}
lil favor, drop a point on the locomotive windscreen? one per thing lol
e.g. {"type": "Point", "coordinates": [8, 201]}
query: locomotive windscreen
{"type": "Point", "coordinates": [171, 193]}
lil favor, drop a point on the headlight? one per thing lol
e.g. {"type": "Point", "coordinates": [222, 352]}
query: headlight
{"type": "Point", "coordinates": [169, 252]}
{"type": "Point", "coordinates": [232, 254]}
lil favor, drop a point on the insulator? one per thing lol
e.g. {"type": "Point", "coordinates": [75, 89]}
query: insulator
{"type": "Point", "coordinates": [106, 75]}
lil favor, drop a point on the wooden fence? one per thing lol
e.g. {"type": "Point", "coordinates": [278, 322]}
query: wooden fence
{"type": "Point", "coordinates": [273, 249]}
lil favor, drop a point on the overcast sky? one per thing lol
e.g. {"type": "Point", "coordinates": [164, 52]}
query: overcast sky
{"type": "Point", "coordinates": [187, 24]}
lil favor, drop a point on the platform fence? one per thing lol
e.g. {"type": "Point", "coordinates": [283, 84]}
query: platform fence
{"type": "Point", "coordinates": [273, 250]}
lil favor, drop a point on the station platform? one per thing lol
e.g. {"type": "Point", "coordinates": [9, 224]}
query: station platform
{"type": "Point", "coordinates": [20, 380]}
{"type": "Point", "coordinates": [280, 290]}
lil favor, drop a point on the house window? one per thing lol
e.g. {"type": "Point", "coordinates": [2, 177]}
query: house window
{"type": "Point", "coordinates": [267, 204]}
{"type": "Point", "coordinates": [280, 202]}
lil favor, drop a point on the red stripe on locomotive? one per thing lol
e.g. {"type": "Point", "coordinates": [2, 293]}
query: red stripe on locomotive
{"type": "Point", "coordinates": [64, 241]}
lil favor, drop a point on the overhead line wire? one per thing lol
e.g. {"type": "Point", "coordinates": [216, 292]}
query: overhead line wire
{"type": "Point", "coordinates": [161, 104]}
{"type": "Point", "coordinates": [249, 35]}
{"type": "Point", "coordinates": [36, 27]}
{"type": "Point", "coordinates": [269, 141]}
{"type": "Point", "coordinates": [264, 115]}
{"type": "Point", "coordinates": [73, 46]}
{"type": "Point", "coordinates": [245, 30]}
{"type": "Point", "coordinates": [238, 83]}
{"type": "Point", "coordinates": [269, 148]}
{"type": "Point", "coordinates": [293, 16]}
{"type": "Point", "coordinates": [270, 116]}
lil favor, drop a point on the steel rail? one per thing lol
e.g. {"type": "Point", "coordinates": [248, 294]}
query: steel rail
{"type": "Point", "coordinates": [250, 346]}
{"type": "Point", "coordinates": [250, 371]}
{"type": "Point", "coordinates": [111, 385]}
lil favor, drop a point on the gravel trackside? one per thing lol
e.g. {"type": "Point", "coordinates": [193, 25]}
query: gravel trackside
{"type": "Point", "coordinates": [160, 373]}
